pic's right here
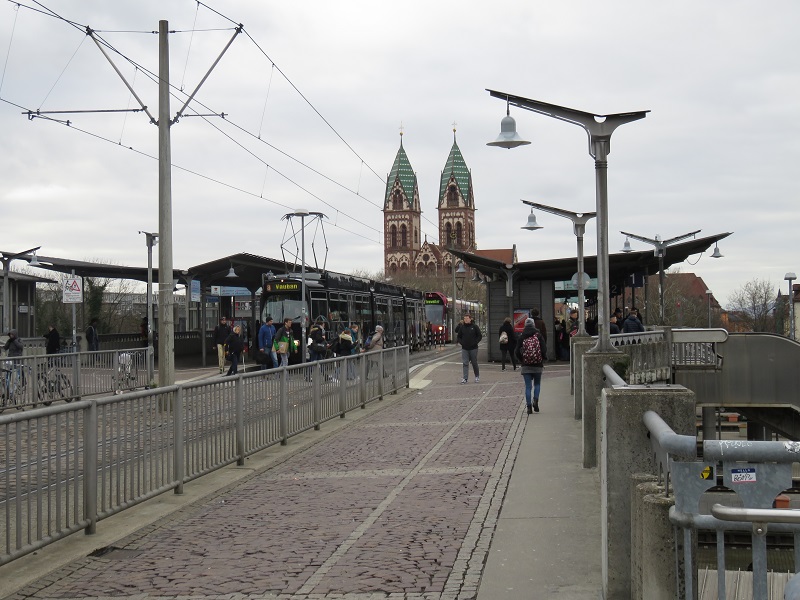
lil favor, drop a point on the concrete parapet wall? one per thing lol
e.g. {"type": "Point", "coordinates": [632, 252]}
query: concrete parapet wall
{"type": "Point", "coordinates": [592, 383]}
{"type": "Point", "coordinates": [624, 450]}
{"type": "Point", "coordinates": [642, 484]}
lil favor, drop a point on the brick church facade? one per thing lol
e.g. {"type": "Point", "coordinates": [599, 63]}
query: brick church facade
{"type": "Point", "coordinates": [404, 249]}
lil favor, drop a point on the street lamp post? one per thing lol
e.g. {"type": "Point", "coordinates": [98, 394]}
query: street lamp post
{"type": "Point", "coordinates": [599, 129]}
{"type": "Point", "coordinates": [151, 240]}
{"type": "Point", "coordinates": [579, 221]}
{"type": "Point", "coordinates": [461, 272]}
{"type": "Point", "coordinates": [708, 293]}
{"type": "Point", "coordinates": [7, 257]}
{"type": "Point", "coordinates": [790, 277]}
{"type": "Point", "coordinates": [303, 213]}
{"type": "Point", "coordinates": [660, 251]}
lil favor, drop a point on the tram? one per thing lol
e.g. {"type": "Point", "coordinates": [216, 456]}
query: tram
{"type": "Point", "coordinates": [341, 300]}
{"type": "Point", "coordinates": [438, 309]}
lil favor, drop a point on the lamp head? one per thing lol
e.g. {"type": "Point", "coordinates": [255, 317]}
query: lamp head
{"type": "Point", "coordinates": [34, 262]}
{"type": "Point", "coordinates": [717, 253]}
{"type": "Point", "coordinates": [461, 271]}
{"type": "Point", "coordinates": [508, 138]}
{"type": "Point", "coordinates": [790, 277]}
{"type": "Point", "coordinates": [231, 273]}
{"type": "Point", "coordinates": [531, 225]}
{"type": "Point", "coordinates": [626, 247]}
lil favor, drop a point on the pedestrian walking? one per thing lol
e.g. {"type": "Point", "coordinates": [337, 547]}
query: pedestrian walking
{"type": "Point", "coordinates": [531, 358]}
{"type": "Point", "coordinates": [508, 342]}
{"type": "Point", "coordinates": [284, 343]}
{"type": "Point", "coordinates": [221, 333]}
{"type": "Point", "coordinates": [92, 338]}
{"type": "Point", "coordinates": [53, 344]}
{"type": "Point", "coordinates": [13, 345]}
{"type": "Point", "coordinates": [234, 344]}
{"type": "Point", "coordinates": [266, 333]}
{"type": "Point", "coordinates": [469, 336]}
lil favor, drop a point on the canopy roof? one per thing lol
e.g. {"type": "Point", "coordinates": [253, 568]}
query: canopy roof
{"type": "Point", "coordinates": [620, 265]}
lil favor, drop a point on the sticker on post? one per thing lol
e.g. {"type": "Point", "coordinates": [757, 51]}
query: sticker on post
{"type": "Point", "coordinates": [743, 475]}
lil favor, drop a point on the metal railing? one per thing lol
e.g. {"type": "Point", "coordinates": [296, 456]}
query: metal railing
{"type": "Point", "coordinates": [45, 378]}
{"type": "Point", "coordinates": [757, 472]}
{"type": "Point", "coordinates": [649, 354]}
{"type": "Point", "coordinates": [70, 465]}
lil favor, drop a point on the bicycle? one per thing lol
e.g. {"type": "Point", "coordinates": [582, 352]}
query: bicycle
{"type": "Point", "coordinates": [126, 377]}
{"type": "Point", "coordinates": [15, 382]}
{"type": "Point", "coordinates": [53, 384]}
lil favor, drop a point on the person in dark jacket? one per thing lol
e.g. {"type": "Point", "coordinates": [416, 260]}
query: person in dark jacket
{"type": "Point", "coordinates": [13, 345]}
{"type": "Point", "coordinates": [632, 324]}
{"type": "Point", "coordinates": [507, 348]}
{"type": "Point", "coordinates": [221, 333]}
{"type": "Point", "coordinates": [542, 327]}
{"type": "Point", "coordinates": [234, 346]}
{"type": "Point", "coordinates": [532, 374]}
{"type": "Point", "coordinates": [53, 340]}
{"type": "Point", "coordinates": [92, 337]}
{"type": "Point", "coordinates": [614, 328]}
{"type": "Point", "coordinates": [469, 336]}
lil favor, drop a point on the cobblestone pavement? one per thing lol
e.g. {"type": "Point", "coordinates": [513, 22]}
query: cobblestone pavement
{"type": "Point", "coordinates": [400, 504]}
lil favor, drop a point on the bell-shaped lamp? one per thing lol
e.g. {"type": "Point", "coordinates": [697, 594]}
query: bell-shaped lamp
{"type": "Point", "coordinates": [717, 253]}
{"type": "Point", "coordinates": [508, 138]}
{"type": "Point", "coordinates": [476, 278]}
{"type": "Point", "coordinates": [34, 262]}
{"type": "Point", "coordinates": [231, 273]}
{"type": "Point", "coordinates": [626, 247]}
{"type": "Point", "coordinates": [531, 225]}
{"type": "Point", "coordinates": [461, 271]}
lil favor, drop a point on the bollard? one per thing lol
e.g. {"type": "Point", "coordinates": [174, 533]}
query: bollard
{"type": "Point", "coordinates": [642, 484]}
{"type": "Point", "coordinates": [659, 576]}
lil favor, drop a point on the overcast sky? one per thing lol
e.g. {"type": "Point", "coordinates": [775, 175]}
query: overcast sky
{"type": "Point", "coordinates": [719, 151]}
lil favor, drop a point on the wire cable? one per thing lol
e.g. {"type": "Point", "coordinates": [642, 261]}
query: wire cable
{"type": "Point", "coordinates": [10, 41]}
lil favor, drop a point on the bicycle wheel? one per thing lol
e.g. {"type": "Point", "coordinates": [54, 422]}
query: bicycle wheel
{"type": "Point", "coordinates": [43, 394]}
{"type": "Point", "coordinates": [64, 387]}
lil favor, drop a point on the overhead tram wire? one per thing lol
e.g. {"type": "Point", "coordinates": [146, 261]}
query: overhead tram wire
{"type": "Point", "coordinates": [175, 166]}
{"type": "Point", "coordinates": [49, 12]}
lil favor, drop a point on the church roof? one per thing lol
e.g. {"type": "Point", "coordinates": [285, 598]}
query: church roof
{"type": "Point", "coordinates": [402, 169]}
{"type": "Point", "coordinates": [456, 167]}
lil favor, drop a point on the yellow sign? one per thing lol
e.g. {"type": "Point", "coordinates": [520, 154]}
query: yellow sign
{"type": "Point", "coordinates": [707, 473]}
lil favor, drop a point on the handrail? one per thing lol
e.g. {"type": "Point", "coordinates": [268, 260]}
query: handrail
{"type": "Point", "coordinates": [612, 376]}
{"type": "Point", "coordinates": [760, 451]}
{"type": "Point", "coordinates": [756, 515]}
{"type": "Point", "coordinates": [683, 446]}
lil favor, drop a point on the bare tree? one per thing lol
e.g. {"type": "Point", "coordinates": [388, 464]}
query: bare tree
{"type": "Point", "coordinates": [754, 303]}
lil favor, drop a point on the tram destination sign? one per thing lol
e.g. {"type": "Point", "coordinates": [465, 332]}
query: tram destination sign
{"type": "Point", "coordinates": [283, 286]}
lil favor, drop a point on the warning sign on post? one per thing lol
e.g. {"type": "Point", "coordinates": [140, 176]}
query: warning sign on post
{"type": "Point", "coordinates": [73, 290]}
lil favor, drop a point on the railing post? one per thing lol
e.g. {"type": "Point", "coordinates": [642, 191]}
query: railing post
{"type": "Point", "coordinates": [284, 414]}
{"type": "Point", "coordinates": [76, 374]}
{"type": "Point", "coordinates": [316, 398]}
{"type": "Point", "coordinates": [239, 398]}
{"type": "Point", "coordinates": [394, 370]}
{"type": "Point", "coordinates": [179, 456]}
{"type": "Point", "coordinates": [381, 386]}
{"type": "Point", "coordinates": [361, 364]}
{"type": "Point", "coordinates": [343, 386]}
{"type": "Point", "coordinates": [90, 467]}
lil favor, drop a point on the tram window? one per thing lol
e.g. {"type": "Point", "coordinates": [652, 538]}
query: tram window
{"type": "Point", "coordinates": [339, 314]}
{"type": "Point", "coordinates": [319, 306]}
{"type": "Point", "coordinates": [397, 318]}
{"type": "Point", "coordinates": [381, 312]}
{"type": "Point", "coordinates": [361, 310]}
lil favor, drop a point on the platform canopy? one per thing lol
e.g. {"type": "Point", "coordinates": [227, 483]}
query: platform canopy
{"type": "Point", "coordinates": [621, 264]}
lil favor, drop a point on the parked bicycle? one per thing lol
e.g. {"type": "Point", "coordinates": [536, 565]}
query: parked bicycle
{"type": "Point", "coordinates": [53, 384]}
{"type": "Point", "coordinates": [126, 377]}
{"type": "Point", "coordinates": [15, 378]}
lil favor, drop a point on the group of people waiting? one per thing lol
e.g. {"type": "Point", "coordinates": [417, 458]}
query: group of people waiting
{"type": "Point", "coordinates": [277, 345]}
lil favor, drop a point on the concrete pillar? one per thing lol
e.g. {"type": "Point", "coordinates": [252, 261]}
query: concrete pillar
{"type": "Point", "coordinates": [579, 346]}
{"type": "Point", "coordinates": [642, 484]}
{"type": "Point", "coordinates": [624, 450]}
{"type": "Point", "coordinates": [593, 382]}
{"type": "Point", "coordinates": [659, 579]}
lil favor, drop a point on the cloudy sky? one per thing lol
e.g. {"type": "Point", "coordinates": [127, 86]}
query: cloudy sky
{"type": "Point", "coordinates": [315, 93]}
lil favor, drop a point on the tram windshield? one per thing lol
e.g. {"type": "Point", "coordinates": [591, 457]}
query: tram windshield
{"type": "Point", "coordinates": [282, 306]}
{"type": "Point", "coordinates": [434, 314]}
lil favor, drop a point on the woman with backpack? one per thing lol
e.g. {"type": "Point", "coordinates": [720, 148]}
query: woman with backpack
{"type": "Point", "coordinates": [530, 354]}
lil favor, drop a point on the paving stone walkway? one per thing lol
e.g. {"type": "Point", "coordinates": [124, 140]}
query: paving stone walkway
{"type": "Point", "coordinates": [402, 503]}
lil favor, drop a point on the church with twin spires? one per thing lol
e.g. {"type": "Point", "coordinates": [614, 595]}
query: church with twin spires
{"type": "Point", "coordinates": [404, 249]}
